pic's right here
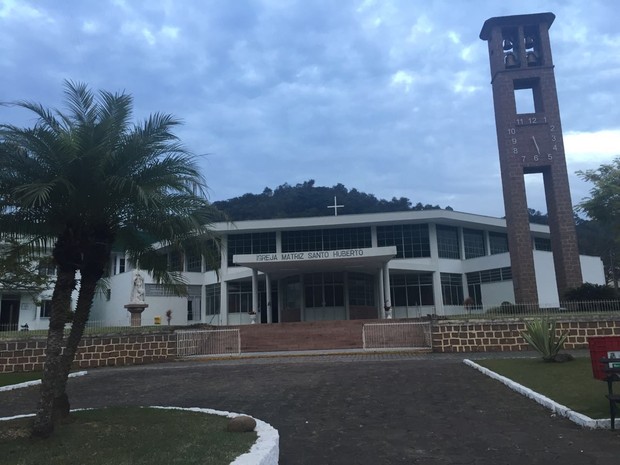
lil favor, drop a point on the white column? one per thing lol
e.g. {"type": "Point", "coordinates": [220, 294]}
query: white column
{"type": "Point", "coordinates": [386, 289]}
{"type": "Point", "coordinates": [268, 291]}
{"type": "Point", "coordinates": [224, 303]}
{"type": "Point", "coordinates": [379, 287]}
{"type": "Point", "coordinates": [255, 294]}
{"type": "Point", "coordinates": [437, 295]}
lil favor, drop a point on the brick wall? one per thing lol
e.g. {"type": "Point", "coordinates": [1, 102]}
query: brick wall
{"type": "Point", "coordinates": [495, 336]}
{"type": "Point", "coordinates": [447, 336]}
{"type": "Point", "coordinates": [29, 354]}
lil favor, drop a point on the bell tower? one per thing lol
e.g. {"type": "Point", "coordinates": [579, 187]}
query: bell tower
{"type": "Point", "coordinates": [529, 139]}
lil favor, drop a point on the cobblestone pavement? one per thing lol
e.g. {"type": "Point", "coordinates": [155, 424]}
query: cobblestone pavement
{"type": "Point", "coordinates": [356, 408]}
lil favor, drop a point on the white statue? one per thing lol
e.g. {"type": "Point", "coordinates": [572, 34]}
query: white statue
{"type": "Point", "coordinates": [137, 290]}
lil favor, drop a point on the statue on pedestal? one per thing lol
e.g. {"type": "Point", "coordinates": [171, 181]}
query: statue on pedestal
{"type": "Point", "coordinates": [136, 303]}
{"type": "Point", "coordinates": [137, 290]}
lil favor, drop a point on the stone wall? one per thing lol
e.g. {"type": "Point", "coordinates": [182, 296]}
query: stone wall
{"type": "Point", "coordinates": [29, 354]}
{"type": "Point", "coordinates": [447, 335]}
{"type": "Point", "coordinates": [496, 336]}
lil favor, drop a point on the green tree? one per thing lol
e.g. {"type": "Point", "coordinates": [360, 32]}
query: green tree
{"type": "Point", "coordinates": [603, 205]}
{"type": "Point", "coordinates": [84, 180]}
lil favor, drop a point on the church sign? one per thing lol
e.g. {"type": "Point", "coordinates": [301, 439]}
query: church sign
{"type": "Point", "coordinates": [320, 255]}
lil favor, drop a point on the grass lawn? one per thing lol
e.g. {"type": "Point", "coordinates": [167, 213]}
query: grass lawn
{"type": "Point", "coordinates": [570, 384]}
{"type": "Point", "coordinates": [124, 436]}
{"type": "Point", "coordinates": [7, 379]}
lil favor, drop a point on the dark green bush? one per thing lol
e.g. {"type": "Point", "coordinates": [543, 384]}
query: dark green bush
{"type": "Point", "coordinates": [590, 292]}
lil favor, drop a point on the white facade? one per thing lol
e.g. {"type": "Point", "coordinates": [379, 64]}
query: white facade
{"type": "Point", "coordinates": [351, 266]}
{"type": "Point", "coordinates": [339, 267]}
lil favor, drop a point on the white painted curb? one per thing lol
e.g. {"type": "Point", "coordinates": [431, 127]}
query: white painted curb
{"type": "Point", "coordinates": [552, 405]}
{"type": "Point", "coordinates": [37, 381]}
{"type": "Point", "coordinates": [266, 449]}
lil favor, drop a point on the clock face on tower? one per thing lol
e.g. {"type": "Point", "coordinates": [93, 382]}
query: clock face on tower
{"type": "Point", "coordinates": [533, 140]}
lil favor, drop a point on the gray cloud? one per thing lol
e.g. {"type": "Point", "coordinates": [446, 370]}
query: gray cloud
{"type": "Point", "coordinates": [392, 97]}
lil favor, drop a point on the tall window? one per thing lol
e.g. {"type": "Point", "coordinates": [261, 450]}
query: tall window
{"type": "Point", "coordinates": [193, 303]}
{"type": "Point", "coordinates": [411, 240]}
{"type": "Point", "coordinates": [448, 242]}
{"type": "Point", "coordinates": [193, 261]}
{"type": "Point", "coordinates": [473, 242]}
{"type": "Point", "coordinates": [452, 288]}
{"type": "Point", "coordinates": [46, 308]}
{"type": "Point", "coordinates": [361, 289]}
{"type": "Point", "coordinates": [412, 290]}
{"type": "Point", "coordinates": [213, 293]}
{"type": "Point", "coordinates": [498, 243]}
{"type": "Point", "coordinates": [175, 261]}
{"type": "Point", "coordinates": [239, 297]}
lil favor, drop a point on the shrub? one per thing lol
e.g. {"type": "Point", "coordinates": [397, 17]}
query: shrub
{"type": "Point", "coordinates": [541, 335]}
{"type": "Point", "coordinates": [590, 292]}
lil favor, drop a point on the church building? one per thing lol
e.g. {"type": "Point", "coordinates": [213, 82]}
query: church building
{"type": "Point", "coordinates": [367, 266]}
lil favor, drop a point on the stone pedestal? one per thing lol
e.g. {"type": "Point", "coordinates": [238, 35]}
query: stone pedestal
{"type": "Point", "coordinates": [136, 310]}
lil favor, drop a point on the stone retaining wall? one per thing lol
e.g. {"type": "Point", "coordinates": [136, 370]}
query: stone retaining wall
{"type": "Point", "coordinates": [495, 336]}
{"type": "Point", "coordinates": [448, 336]}
{"type": "Point", "coordinates": [29, 354]}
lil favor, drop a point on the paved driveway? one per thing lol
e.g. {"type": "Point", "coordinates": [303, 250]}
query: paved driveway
{"type": "Point", "coordinates": [367, 410]}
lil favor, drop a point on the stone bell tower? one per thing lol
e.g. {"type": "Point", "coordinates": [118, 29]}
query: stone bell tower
{"type": "Point", "coordinates": [530, 141]}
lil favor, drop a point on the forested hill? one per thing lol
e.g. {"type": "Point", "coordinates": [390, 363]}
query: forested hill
{"type": "Point", "coordinates": [306, 199]}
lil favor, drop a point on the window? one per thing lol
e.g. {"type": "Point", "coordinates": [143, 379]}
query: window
{"type": "Point", "coordinates": [452, 288]}
{"type": "Point", "coordinates": [118, 264]}
{"type": "Point", "coordinates": [542, 243]}
{"type": "Point", "coordinates": [489, 276]}
{"type": "Point", "coordinates": [412, 290]}
{"type": "Point", "coordinates": [213, 293]}
{"type": "Point", "coordinates": [326, 239]}
{"type": "Point", "coordinates": [175, 261]}
{"type": "Point", "coordinates": [239, 297]}
{"type": "Point", "coordinates": [473, 242]}
{"type": "Point", "coordinates": [47, 268]}
{"type": "Point", "coordinates": [46, 308]}
{"type": "Point", "coordinates": [448, 242]}
{"type": "Point", "coordinates": [498, 243]}
{"type": "Point", "coordinates": [193, 302]}
{"type": "Point", "coordinates": [251, 243]}
{"type": "Point", "coordinates": [411, 240]}
{"type": "Point", "coordinates": [361, 290]}
{"type": "Point", "coordinates": [324, 290]}
{"type": "Point", "coordinates": [193, 262]}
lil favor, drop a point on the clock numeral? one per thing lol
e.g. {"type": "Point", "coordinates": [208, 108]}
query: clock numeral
{"type": "Point", "coordinates": [512, 131]}
{"type": "Point", "coordinates": [552, 127]}
{"type": "Point", "coordinates": [514, 140]}
{"type": "Point", "coordinates": [536, 157]}
{"type": "Point", "coordinates": [553, 137]}
{"type": "Point", "coordinates": [549, 156]}
{"type": "Point", "coordinates": [555, 147]}
{"type": "Point", "coordinates": [523, 157]}
{"type": "Point", "coordinates": [515, 151]}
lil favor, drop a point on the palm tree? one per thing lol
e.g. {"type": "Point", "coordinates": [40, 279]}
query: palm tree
{"type": "Point", "coordinates": [83, 181]}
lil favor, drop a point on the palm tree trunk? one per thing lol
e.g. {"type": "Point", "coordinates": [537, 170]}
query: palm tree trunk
{"type": "Point", "coordinates": [82, 311]}
{"type": "Point", "coordinates": [61, 300]}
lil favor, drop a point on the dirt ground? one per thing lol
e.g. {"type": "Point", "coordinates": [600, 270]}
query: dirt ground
{"type": "Point", "coordinates": [356, 409]}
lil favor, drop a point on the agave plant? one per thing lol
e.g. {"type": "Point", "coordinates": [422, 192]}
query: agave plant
{"type": "Point", "coordinates": [541, 335]}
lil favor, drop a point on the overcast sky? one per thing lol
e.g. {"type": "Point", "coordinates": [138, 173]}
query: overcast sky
{"type": "Point", "coordinates": [392, 98]}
